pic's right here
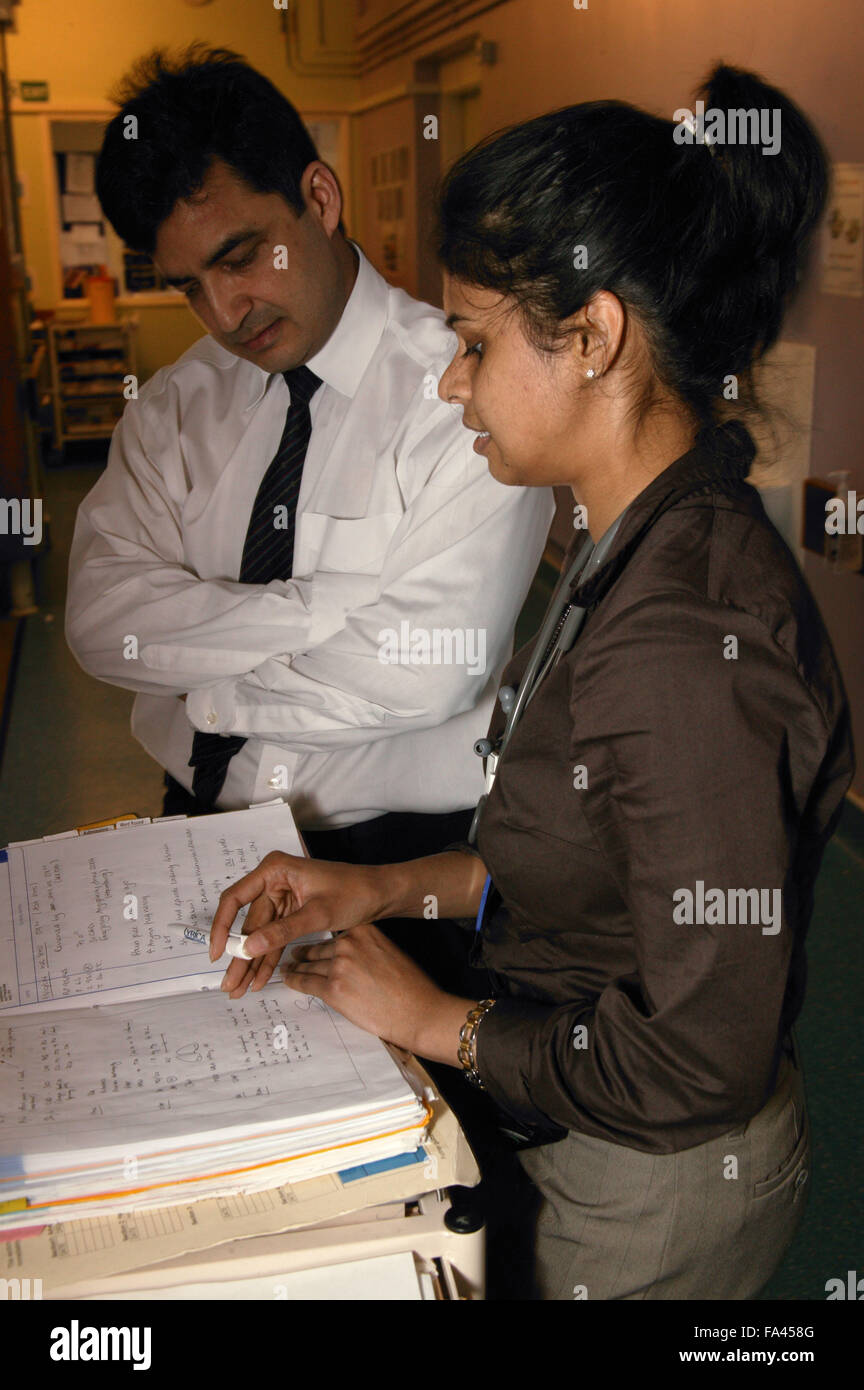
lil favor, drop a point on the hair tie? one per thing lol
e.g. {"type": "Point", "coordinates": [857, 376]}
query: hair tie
{"type": "Point", "coordinates": [701, 137]}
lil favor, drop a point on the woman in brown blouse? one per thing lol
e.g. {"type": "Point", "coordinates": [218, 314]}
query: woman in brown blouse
{"type": "Point", "coordinates": [659, 814]}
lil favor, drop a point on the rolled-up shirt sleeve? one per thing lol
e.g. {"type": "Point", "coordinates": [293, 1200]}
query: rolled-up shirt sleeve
{"type": "Point", "coordinates": [701, 753]}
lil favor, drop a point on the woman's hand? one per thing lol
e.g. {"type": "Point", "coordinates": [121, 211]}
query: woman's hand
{"type": "Point", "coordinates": [290, 896]}
{"type": "Point", "coordinates": [368, 980]}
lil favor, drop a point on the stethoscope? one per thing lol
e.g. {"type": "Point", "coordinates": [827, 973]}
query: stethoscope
{"type": "Point", "coordinates": [556, 636]}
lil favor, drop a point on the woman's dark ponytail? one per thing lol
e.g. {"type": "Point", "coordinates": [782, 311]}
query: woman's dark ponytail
{"type": "Point", "coordinates": [705, 243]}
{"type": "Point", "coordinates": [757, 221]}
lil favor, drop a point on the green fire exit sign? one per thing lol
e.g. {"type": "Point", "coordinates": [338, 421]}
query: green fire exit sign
{"type": "Point", "coordinates": [34, 91]}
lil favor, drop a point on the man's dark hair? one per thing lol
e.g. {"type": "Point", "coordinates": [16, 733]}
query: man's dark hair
{"type": "Point", "coordinates": [202, 104]}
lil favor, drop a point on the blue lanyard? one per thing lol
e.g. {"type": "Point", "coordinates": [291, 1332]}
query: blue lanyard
{"type": "Point", "coordinates": [486, 886]}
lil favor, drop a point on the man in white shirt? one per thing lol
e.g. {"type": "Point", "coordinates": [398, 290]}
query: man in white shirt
{"type": "Point", "coordinates": [357, 682]}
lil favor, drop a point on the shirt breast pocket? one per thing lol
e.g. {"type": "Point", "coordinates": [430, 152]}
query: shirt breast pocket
{"type": "Point", "coordinates": [340, 545]}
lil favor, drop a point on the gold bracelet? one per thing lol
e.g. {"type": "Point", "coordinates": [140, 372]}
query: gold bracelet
{"type": "Point", "coordinates": [468, 1041]}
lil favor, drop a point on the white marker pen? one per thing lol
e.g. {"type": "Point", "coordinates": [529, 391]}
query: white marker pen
{"type": "Point", "coordinates": [235, 945]}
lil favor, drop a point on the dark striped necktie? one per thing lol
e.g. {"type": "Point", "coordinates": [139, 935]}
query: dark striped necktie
{"type": "Point", "coordinates": [268, 553]}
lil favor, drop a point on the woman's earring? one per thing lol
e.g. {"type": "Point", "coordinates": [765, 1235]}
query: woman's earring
{"type": "Point", "coordinates": [590, 372]}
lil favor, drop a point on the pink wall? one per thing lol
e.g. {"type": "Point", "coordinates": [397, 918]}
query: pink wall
{"type": "Point", "coordinates": [653, 53]}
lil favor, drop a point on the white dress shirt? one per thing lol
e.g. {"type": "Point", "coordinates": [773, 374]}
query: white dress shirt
{"type": "Point", "coordinates": [398, 521]}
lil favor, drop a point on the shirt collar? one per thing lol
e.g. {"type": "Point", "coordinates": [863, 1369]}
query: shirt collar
{"type": "Point", "coordinates": [342, 361]}
{"type": "Point", "coordinates": [718, 462]}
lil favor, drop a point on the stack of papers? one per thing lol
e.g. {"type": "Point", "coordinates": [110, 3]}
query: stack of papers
{"type": "Point", "coordinates": [127, 1078]}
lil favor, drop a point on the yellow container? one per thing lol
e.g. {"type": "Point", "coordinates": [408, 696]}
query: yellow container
{"type": "Point", "coordinates": [100, 292]}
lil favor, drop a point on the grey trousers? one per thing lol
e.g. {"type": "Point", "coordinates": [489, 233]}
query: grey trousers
{"type": "Point", "coordinates": [710, 1222]}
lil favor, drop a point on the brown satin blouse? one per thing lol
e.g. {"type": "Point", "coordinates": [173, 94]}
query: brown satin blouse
{"type": "Point", "coordinates": [696, 734]}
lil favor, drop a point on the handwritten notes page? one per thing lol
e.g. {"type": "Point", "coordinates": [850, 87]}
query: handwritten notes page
{"type": "Point", "coordinates": [124, 1096]}
{"type": "Point", "coordinates": [85, 917]}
